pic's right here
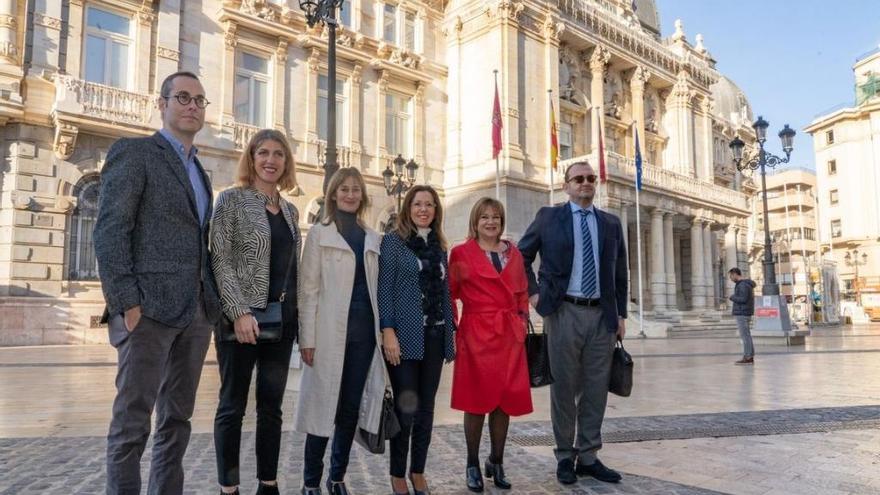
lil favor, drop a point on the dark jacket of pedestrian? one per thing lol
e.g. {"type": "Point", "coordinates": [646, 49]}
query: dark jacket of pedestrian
{"type": "Point", "coordinates": [744, 298]}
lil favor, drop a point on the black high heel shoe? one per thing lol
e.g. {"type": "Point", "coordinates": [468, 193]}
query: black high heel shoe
{"type": "Point", "coordinates": [496, 472]}
{"type": "Point", "coordinates": [416, 491]}
{"type": "Point", "coordinates": [474, 479]}
{"type": "Point", "coordinates": [336, 488]}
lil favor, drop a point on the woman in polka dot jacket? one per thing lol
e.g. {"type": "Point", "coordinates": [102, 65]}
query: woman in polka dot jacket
{"type": "Point", "coordinates": [415, 315]}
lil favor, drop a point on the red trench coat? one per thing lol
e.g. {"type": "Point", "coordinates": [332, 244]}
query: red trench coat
{"type": "Point", "coordinates": [490, 364]}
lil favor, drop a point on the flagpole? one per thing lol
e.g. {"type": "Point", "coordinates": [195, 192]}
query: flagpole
{"type": "Point", "coordinates": [552, 125]}
{"type": "Point", "coordinates": [639, 242]}
{"type": "Point", "coordinates": [497, 160]}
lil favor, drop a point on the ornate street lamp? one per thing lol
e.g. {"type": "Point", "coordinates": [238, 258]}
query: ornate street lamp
{"type": "Point", "coordinates": [763, 159]}
{"type": "Point", "coordinates": [324, 12]}
{"type": "Point", "coordinates": [852, 259]}
{"type": "Point", "coordinates": [404, 181]}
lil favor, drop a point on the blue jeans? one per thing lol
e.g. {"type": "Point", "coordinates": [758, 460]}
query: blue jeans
{"type": "Point", "coordinates": [742, 324]}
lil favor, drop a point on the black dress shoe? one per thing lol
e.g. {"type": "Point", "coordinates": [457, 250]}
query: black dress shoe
{"type": "Point", "coordinates": [418, 492]}
{"type": "Point", "coordinates": [474, 479]}
{"type": "Point", "coordinates": [599, 471]}
{"type": "Point", "coordinates": [236, 492]}
{"type": "Point", "coordinates": [311, 491]}
{"type": "Point", "coordinates": [264, 489]}
{"type": "Point", "coordinates": [336, 488]}
{"type": "Point", "coordinates": [565, 472]}
{"type": "Point", "coordinates": [496, 472]}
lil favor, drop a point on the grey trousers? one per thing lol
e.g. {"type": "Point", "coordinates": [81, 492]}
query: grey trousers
{"type": "Point", "coordinates": [580, 350]}
{"type": "Point", "coordinates": [158, 366]}
{"type": "Point", "coordinates": [742, 324]}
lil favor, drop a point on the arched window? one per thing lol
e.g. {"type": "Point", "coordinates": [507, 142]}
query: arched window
{"type": "Point", "coordinates": [81, 248]}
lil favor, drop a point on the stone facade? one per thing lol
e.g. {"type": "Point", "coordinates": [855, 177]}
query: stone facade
{"type": "Point", "coordinates": [416, 79]}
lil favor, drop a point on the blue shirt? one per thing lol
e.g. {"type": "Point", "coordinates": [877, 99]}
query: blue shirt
{"type": "Point", "coordinates": [192, 170]}
{"type": "Point", "coordinates": [574, 283]}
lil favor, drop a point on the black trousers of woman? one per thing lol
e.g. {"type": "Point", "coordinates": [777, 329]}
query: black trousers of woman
{"type": "Point", "coordinates": [415, 386]}
{"type": "Point", "coordinates": [237, 363]}
{"type": "Point", "coordinates": [356, 365]}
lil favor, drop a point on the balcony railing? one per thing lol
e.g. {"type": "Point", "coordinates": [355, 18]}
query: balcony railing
{"type": "Point", "coordinates": [242, 134]}
{"type": "Point", "coordinates": [116, 106]}
{"type": "Point", "coordinates": [343, 154]}
{"type": "Point", "coordinates": [667, 180]}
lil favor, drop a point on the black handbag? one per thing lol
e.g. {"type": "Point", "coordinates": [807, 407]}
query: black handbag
{"type": "Point", "coordinates": [538, 358]}
{"type": "Point", "coordinates": [389, 427]}
{"type": "Point", "coordinates": [621, 372]}
{"type": "Point", "coordinates": [270, 319]}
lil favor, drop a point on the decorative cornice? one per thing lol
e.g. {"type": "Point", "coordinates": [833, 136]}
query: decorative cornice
{"type": "Point", "coordinates": [168, 53]}
{"type": "Point", "coordinates": [552, 29]}
{"type": "Point", "coordinates": [281, 51]}
{"type": "Point", "coordinates": [508, 10]}
{"type": "Point", "coordinates": [641, 75]}
{"type": "Point", "coordinates": [7, 21]}
{"type": "Point", "coordinates": [230, 29]}
{"type": "Point", "coordinates": [314, 60]}
{"type": "Point", "coordinates": [357, 73]}
{"type": "Point", "coordinates": [599, 59]}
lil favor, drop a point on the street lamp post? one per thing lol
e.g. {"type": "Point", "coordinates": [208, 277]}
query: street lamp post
{"type": "Point", "coordinates": [852, 259]}
{"type": "Point", "coordinates": [761, 160]}
{"type": "Point", "coordinates": [324, 12]}
{"type": "Point", "coordinates": [398, 181]}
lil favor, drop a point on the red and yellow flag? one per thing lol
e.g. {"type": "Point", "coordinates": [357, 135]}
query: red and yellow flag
{"type": "Point", "coordinates": [554, 141]}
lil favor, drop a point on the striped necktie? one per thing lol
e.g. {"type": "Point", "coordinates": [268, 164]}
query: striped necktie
{"type": "Point", "coordinates": [588, 264]}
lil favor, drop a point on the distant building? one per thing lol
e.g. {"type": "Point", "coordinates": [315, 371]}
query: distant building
{"type": "Point", "coordinates": [846, 140]}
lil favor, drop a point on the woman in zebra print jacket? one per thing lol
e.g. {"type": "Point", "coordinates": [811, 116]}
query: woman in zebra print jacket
{"type": "Point", "coordinates": [254, 238]}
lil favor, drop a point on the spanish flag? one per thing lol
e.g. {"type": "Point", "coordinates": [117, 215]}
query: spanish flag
{"type": "Point", "coordinates": [554, 141]}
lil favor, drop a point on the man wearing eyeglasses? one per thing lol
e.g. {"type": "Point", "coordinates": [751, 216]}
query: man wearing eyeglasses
{"type": "Point", "coordinates": [151, 241]}
{"type": "Point", "coordinates": [581, 292]}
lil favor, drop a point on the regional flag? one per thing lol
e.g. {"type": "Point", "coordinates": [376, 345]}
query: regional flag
{"type": "Point", "coordinates": [496, 125]}
{"type": "Point", "coordinates": [638, 163]}
{"type": "Point", "coordinates": [554, 142]}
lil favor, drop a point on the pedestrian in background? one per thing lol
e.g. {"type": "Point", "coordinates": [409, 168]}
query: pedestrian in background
{"type": "Point", "coordinates": [417, 327]}
{"type": "Point", "coordinates": [491, 374]}
{"type": "Point", "coordinates": [151, 244]}
{"type": "Point", "coordinates": [344, 378]}
{"type": "Point", "coordinates": [743, 308]}
{"type": "Point", "coordinates": [255, 243]}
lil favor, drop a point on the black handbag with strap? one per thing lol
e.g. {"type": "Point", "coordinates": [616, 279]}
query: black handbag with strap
{"type": "Point", "coordinates": [270, 319]}
{"type": "Point", "coordinates": [621, 372]}
{"type": "Point", "coordinates": [389, 427]}
{"type": "Point", "coordinates": [538, 358]}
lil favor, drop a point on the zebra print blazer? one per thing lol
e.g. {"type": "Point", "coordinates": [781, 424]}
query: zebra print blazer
{"type": "Point", "coordinates": [240, 245]}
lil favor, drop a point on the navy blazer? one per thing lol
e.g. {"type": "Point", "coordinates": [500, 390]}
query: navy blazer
{"type": "Point", "coordinates": [400, 299]}
{"type": "Point", "coordinates": [551, 235]}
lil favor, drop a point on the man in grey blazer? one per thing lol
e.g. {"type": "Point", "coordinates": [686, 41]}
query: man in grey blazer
{"type": "Point", "coordinates": [151, 241]}
{"type": "Point", "coordinates": [580, 290]}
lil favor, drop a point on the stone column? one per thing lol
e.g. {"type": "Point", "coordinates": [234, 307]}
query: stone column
{"type": "Point", "coordinates": [419, 125]}
{"type": "Point", "coordinates": [279, 108]}
{"type": "Point", "coordinates": [637, 85]}
{"type": "Point", "coordinates": [669, 261]}
{"type": "Point", "coordinates": [598, 60]}
{"type": "Point", "coordinates": [697, 289]}
{"type": "Point", "coordinates": [678, 270]}
{"type": "Point", "coordinates": [382, 87]}
{"type": "Point", "coordinates": [75, 28]}
{"type": "Point", "coordinates": [8, 31]}
{"type": "Point", "coordinates": [681, 129]}
{"type": "Point", "coordinates": [709, 273]}
{"type": "Point", "coordinates": [730, 261]}
{"type": "Point", "coordinates": [658, 264]}
{"type": "Point", "coordinates": [228, 82]}
{"type": "Point", "coordinates": [140, 72]}
{"type": "Point", "coordinates": [354, 111]}
{"type": "Point", "coordinates": [168, 39]}
{"type": "Point", "coordinates": [708, 164]}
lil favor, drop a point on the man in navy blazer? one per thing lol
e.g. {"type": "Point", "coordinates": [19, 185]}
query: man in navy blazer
{"type": "Point", "coordinates": [581, 291]}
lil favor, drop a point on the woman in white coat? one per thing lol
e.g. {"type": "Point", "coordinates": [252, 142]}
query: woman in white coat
{"type": "Point", "coordinates": [343, 382]}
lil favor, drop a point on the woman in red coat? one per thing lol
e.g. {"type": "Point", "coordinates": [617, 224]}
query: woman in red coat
{"type": "Point", "coordinates": [491, 375]}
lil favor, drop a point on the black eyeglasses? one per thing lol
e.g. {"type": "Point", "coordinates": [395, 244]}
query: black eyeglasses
{"type": "Point", "coordinates": [579, 179]}
{"type": "Point", "coordinates": [185, 99]}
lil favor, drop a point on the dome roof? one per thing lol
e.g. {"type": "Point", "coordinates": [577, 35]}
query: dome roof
{"type": "Point", "coordinates": [731, 103]}
{"type": "Point", "coordinates": [649, 16]}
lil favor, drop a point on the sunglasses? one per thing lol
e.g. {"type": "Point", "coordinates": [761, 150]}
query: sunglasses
{"type": "Point", "coordinates": [579, 179]}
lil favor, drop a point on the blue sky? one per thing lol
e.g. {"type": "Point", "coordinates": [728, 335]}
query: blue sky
{"type": "Point", "coordinates": [792, 58]}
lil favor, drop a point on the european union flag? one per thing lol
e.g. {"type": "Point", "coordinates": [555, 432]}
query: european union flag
{"type": "Point", "coordinates": [638, 163]}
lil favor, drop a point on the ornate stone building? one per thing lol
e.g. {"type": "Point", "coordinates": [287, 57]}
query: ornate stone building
{"type": "Point", "coordinates": [415, 77]}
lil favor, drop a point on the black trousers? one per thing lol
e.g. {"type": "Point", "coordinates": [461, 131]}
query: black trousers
{"type": "Point", "coordinates": [237, 362]}
{"type": "Point", "coordinates": [415, 386]}
{"type": "Point", "coordinates": [355, 367]}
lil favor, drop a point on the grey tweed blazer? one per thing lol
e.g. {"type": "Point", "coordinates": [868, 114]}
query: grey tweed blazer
{"type": "Point", "coordinates": [152, 250]}
{"type": "Point", "coordinates": [241, 241]}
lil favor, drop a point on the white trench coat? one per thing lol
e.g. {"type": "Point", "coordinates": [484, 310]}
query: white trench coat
{"type": "Point", "coordinates": [326, 279]}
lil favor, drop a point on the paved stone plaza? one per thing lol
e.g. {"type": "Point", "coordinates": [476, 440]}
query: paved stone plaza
{"type": "Point", "coordinates": [801, 421]}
